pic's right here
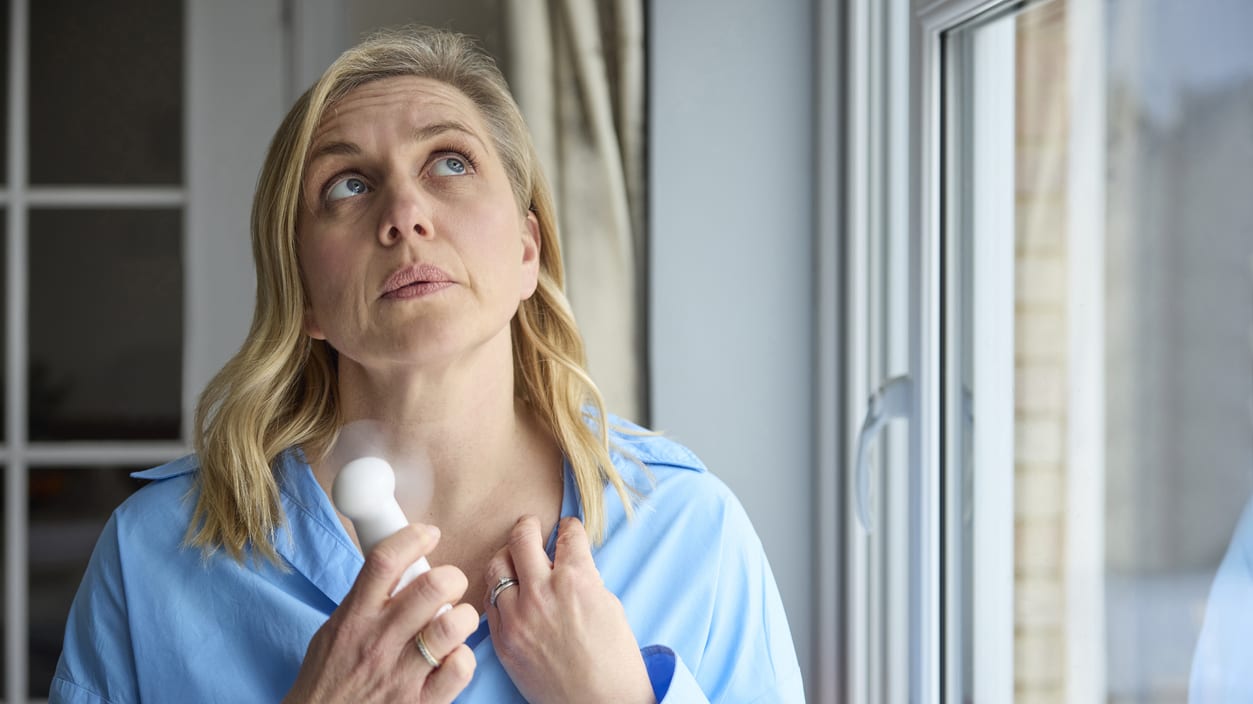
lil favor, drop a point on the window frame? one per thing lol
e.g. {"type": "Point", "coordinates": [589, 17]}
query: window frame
{"type": "Point", "coordinates": [893, 266]}
{"type": "Point", "coordinates": [219, 173]}
{"type": "Point", "coordinates": [977, 261]}
{"type": "Point", "coordinates": [928, 76]}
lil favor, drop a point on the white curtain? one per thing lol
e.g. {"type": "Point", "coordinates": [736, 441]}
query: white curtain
{"type": "Point", "coordinates": [576, 68]}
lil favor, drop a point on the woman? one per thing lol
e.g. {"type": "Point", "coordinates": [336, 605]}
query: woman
{"type": "Point", "coordinates": [408, 274]}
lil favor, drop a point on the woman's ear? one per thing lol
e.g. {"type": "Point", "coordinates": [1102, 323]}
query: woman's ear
{"type": "Point", "coordinates": [530, 255]}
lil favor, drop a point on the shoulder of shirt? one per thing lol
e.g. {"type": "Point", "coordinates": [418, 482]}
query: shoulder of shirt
{"type": "Point", "coordinates": [675, 486]}
{"type": "Point", "coordinates": [665, 471]}
{"type": "Point", "coordinates": [167, 491]}
{"type": "Point", "coordinates": [649, 448]}
{"type": "Point", "coordinates": [174, 468]}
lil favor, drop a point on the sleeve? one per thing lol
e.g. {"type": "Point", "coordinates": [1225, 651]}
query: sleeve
{"type": "Point", "coordinates": [749, 656]}
{"type": "Point", "coordinates": [1222, 667]}
{"type": "Point", "coordinates": [671, 680]}
{"type": "Point", "coordinates": [97, 658]}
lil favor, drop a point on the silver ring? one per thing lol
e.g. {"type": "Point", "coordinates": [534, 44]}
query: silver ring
{"type": "Point", "coordinates": [426, 653]}
{"type": "Point", "coordinates": [502, 585]}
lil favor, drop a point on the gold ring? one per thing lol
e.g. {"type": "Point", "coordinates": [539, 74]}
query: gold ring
{"type": "Point", "coordinates": [426, 653]}
{"type": "Point", "coordinates": [502, 585]}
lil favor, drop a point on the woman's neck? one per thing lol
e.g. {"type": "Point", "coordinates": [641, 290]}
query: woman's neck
{"type": "Point", "coordinates": [457, 436]}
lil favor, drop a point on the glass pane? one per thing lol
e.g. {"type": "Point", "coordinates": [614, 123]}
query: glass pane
{"type": "Point", "coordinates": [979, 383]}
{"type": "Point", "coordinates": [106, 92]}
{"type": "Point", "coordinates": [68, 508]}
{"type": "Point", "coordinates": [1180, 319]}
{"type": "Point", "coordinates": [106, 324]}
{"type": "Point", "coordinates": [1099, 267]}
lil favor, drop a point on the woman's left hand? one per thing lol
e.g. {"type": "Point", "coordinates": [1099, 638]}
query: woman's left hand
{"type": "Point", "coordinates": [561, 635]}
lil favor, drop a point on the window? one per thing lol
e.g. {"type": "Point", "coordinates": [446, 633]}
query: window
{"type": "Point", "coordinates": [1093, 249]}
{"type": "Point", "coordinates": [1076, 266]}
{"type": "Point", "coordinates": [95, 198]}
{"type": "Point", "coordinates": [125, 190]}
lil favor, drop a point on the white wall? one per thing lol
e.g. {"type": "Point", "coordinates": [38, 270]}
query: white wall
{"type": "Point", "coordinates": [234, 49]}
{"type": "Point", "coordinates": [731, 227]}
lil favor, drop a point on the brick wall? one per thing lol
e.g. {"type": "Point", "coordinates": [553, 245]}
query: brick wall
{"type": "Point", "coordinates": [1040, 418]}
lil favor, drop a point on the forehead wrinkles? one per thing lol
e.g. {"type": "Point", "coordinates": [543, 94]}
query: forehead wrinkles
{"type": "Point", "coordinates": [421, 101]}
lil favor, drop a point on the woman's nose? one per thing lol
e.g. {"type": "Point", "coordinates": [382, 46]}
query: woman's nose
{"type": "Point", "coordinates": [406, 213]}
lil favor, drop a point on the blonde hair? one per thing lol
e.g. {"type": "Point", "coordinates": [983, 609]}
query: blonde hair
{"type": "Point", "coordinates": [279, 391]}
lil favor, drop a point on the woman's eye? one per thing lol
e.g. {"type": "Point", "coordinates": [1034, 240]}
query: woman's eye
{"type": "Point", "coordinates": [449, 166]}
{"type": "Point", "coordinates": [347, 188]}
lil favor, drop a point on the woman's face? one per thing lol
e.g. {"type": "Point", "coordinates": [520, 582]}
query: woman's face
{"type": "Point", "coordinates": [412, 247]}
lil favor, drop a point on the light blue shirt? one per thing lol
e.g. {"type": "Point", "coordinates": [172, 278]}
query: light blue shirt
{"type": "Point", "coordinates": [1222, 667]}
{"type": "Point", "coordinates": [156, 622]}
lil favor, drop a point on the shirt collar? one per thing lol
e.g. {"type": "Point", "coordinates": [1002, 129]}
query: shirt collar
{"type": "Point", "coordinates": [313, 540]}
{"type": "Point", "coordinates": [182, 465]}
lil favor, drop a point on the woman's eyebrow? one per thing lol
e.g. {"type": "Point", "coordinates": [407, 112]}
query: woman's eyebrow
{"type": "Point", "coordinates": [333, 149]}
{"type": "Point", "coordinates": [421, 134]}
{"type": "Point", "coordinates": [436, 129]}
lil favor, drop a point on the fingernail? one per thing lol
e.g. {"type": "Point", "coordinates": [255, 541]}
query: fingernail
{"type": "Point", "coordinates": [442, 610]}
{"type": "Point", "coordinates": [431, 532]}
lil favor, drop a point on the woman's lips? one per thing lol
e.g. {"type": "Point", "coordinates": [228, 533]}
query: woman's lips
{"type": "Point", "coordinates": [417, 289]}
{"type": "Point", "coordinates": [414, 281]}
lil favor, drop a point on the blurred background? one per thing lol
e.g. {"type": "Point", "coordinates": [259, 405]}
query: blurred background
{"type": "Point", "coordinates": [1035, 214]}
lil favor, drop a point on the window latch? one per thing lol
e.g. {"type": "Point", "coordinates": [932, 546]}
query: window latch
{"type": "Point", "coordinates": [891, 400]}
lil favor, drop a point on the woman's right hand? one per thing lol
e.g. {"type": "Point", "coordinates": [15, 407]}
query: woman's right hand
{"type": "Point", "coordinates": [366, 652]}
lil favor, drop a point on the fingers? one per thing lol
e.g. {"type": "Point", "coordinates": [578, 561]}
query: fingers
{"type": "Point", "coordinates": [498, 568]}
{"type": "Point", "coordinates": [427, 595]}
{"type": "Point", "coordinates": [401, 614]}
{"type": "Point", "coordinates": [376, 651]}
{"type": "Point", "coordinates": [573, 548]}
{"type": "Point", "coordinates": [526, 547]}
{"type": "Point", "coordinates": [524, 557]}
{"type": "Point", "coordinates": [388, 561]}
{"type": "Point", "coordinates": [444, 633]}
{"type": "Point", "coordinates": [444, 684]}
{"type": "Point", "coordinates": [417, 605]}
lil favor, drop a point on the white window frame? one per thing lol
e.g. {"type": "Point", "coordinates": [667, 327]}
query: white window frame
{"type": "Point", "coordinates": [1085, 396]}
{"type": "Point", "coordinates": [1085, 642]}
{"type": "Point", "coordinates": [236, 49]}
{"type": "Point", "coordinates": [893, 264]}
{"type": "Point", "coordinates": [980, 263]}
{"type": "Point", "coordinates": [891, 603]}
{"type": "Point", "coordinates": [932, 19]}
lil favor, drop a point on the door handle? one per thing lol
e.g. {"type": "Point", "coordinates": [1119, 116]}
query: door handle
{"type": "Point", "coordinates": [891, 400]}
